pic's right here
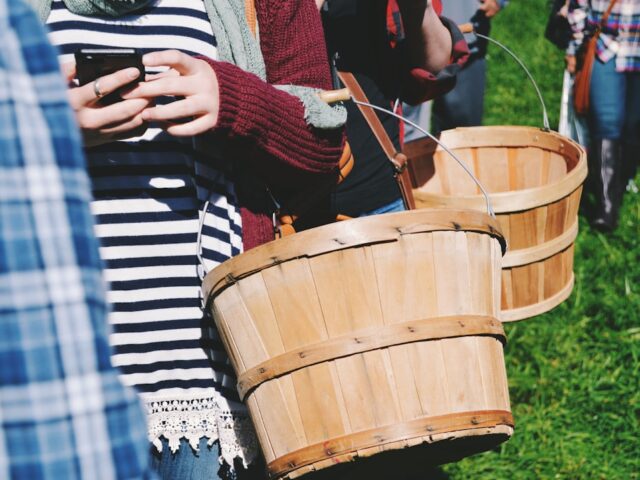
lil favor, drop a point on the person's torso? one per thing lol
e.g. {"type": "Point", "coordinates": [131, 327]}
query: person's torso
{"type": "Point", "coordinates": [149, 193]}
{"type": "Point", "coordinates": [359, 42]}
{"type": "Point", "coordinates": [620, 38]}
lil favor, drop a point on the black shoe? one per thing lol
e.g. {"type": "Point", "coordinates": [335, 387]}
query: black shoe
{"type": "Point", "coordinates": [607, 175]}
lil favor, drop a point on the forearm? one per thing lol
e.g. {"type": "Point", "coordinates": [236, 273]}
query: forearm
{"type": "Point", "coordinates": [256, 112]}
{"type": "Point", "coordinates": [419, 85]}
{"type": "Point", "coordinates": [428, 40]}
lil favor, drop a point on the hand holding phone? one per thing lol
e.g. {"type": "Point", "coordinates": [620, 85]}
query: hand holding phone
{"type": "Point", "coordinates": [194, 84]}
{"type": "Point", "coordinates": [93, 63]}
{"type": "Point", "coordinates": [102, 123]}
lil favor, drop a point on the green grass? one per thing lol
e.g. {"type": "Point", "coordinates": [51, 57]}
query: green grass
{"type": "Point", "coordinates": [574, 373]}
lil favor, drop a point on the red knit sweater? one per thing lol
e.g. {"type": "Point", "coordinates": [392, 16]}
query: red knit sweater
{"type": "Point", "coordinates": [269, 124]}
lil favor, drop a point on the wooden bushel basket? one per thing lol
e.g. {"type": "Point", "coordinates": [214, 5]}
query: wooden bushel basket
{"type": "Point", "coordinates": [534, 178]}
{"type": "Point", "coordinates": [369, 336]}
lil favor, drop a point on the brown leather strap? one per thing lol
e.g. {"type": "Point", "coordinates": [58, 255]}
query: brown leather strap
{"type": "Point", "coordinates": [398, 159]}
{"type": "Point", "coordinates": [422, 427]}
{"type": "Point", "coordinates": [606, 16]}
{"type": "Point", "coordinates": [367, 340]}
{"type": "Point", "coordinates": [594, 40]}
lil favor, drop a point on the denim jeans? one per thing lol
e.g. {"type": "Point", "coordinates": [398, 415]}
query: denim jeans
{"type": "Point", "coordinates": [395, 206]}
{"type": "Point", "coordinates": [186, 464]}
{"type": "Point", "coordinates": [615, 103]}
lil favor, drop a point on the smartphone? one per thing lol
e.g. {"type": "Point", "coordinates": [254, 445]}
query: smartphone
{"type": "Point", "coordinates": [93, 63]}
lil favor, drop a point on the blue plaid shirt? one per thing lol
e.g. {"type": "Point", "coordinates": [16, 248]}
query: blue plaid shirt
{"type": "Point", "coordinates": [63, 413]}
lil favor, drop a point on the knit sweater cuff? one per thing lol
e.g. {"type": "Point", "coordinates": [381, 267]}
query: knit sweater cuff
{"type": "Point", "coordinates": [273, 120]}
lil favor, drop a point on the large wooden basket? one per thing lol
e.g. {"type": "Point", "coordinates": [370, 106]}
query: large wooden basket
{"type": "Point", "coordinates": [534, 178]}
{"type": "Point", "coordinates": [368, 336]}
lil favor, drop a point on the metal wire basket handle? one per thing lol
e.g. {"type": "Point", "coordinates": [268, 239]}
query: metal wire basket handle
{"type": "Point", "coordinates": [469, 28]}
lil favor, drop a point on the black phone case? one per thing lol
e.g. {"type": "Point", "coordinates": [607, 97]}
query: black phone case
{"type": "Point", "coordinates": [94, 63]}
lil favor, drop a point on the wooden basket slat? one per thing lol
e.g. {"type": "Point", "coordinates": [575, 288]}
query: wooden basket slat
{"type": "Point", "coordinates": [318, 402]}
{"type": "Point", "coordinates": [353, 307]}
{"type": "Point", "coordinates": [490, 161]}
{"type": "Point", "coordinates": [406, 384]}
{"type": "Point", "coordinates": [527, 168]}
{"type": "Point", "coordinates": [557, 167]}
{"type": "Point", "coordinates": [382, 401]}
{"type": "Point", "coordinates": [282, 425]}
{"type": "Point", "coordinates": [219, 310]}
{"type": "Point", "coordinates": [354, 397]}
{"type": "Point", "coordinates": [431, 379]}
{"type": "Point", "coordinates": [484, 349]}
{"type": "Point", "coordinates": [506, 293]}
{"type": "Point", "coordinates": [293, 297]}
{"type": "Point", "coordinates": [483, 267]}
{"type": "Point", "coordinates": [556, 219]}
{"type": "Point", "coordinates": [261, 430]}
{"type": "Point", "coordinates": [260, 306]}
{"type": "Point", "coordinates": [457, 180]}
{"type": "Point", "coordinates": [338, 388]}
{"type": "Point", "coordinates": [461, 363]}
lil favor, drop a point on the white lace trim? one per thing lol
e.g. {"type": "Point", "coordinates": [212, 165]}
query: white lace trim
{"type": "Point", "coordinates": [195, 418]}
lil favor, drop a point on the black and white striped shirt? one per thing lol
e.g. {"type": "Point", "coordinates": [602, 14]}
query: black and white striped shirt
{"type": "Point", "coordinates": [149, 192]}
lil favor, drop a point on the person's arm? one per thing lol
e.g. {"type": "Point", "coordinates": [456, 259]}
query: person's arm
{"type": "Point", "coordinates": [292, 43]}
{"type": "Point", "coordinates": [428, 40]}
{"type": "Point", "coordinates": [267, 123]}
{"type": "Point", "coordinates": [577, 16]}
{"type": "Point", "coordinates": [420, 85]}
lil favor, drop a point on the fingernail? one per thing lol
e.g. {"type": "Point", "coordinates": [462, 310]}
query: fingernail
{"type": "Point", "coordinates": [133, 73]}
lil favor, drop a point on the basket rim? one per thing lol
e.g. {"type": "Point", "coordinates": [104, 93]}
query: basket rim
{"type": "Point", "coordinates": [352, 233]}
{"type": "Point", "coordinates": [513, 200]}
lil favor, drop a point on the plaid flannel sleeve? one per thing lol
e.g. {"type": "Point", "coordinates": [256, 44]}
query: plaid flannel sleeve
{"type": "Point", "coordinates": [63, 413]}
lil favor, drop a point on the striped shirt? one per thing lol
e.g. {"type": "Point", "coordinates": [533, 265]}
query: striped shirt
{"type": "Point", "coordinates": [149, 195]}
{"type": "Point", "coordinates": [620, 38]}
